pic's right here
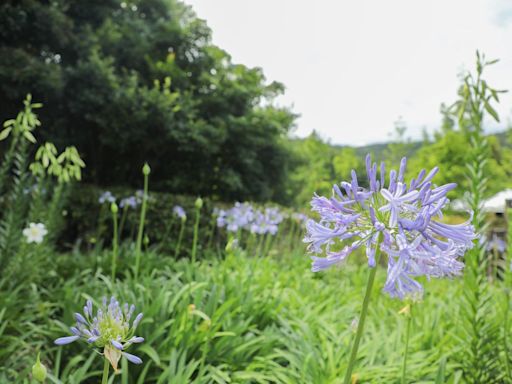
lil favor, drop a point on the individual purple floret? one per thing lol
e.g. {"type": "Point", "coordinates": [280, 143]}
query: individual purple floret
{"type": "Point", "coordinates": [400, 219]}
{"type": "Point", "coordinates": [129, 202]}
{"type": "Point", "coordinates": [179, 212]}
{"type": "Point", "coordinates": [107, 197]}
{"type": "Point", "coordinates": [109, 329]}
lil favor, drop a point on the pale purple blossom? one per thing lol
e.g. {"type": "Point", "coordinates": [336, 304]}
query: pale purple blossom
{"type": "Point", "coordinates": [179, 212]}
{"type": "Point", "coordinates": [402, 219]}
{"type": "Point", "coordinates": [109, 329]}
{"type": "Point", "coordinates": [129, 202]}
{"type": "Point", "coordinates": [107, 197]}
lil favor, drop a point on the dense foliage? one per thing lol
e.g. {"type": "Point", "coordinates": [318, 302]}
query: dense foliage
{"type": "Point", "coordinates": [134, 81]}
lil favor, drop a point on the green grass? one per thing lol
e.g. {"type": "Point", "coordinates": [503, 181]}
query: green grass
{"type": "Point", "coordinates": [232, 319]}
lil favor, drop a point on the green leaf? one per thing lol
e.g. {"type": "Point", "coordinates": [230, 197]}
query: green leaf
{"type": "Point", "coordinates": [491, 111]}
{"type": "Point", "coordinates": [5, 133]}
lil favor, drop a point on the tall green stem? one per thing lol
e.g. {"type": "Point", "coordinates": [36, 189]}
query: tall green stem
{"type": "Point", "coordinates": [114, 241]}
{"type": "Point", "coordinates": [180, 238]}
{"type": "Point", "coordinates": [106, 367]}
{"type": "Point", "coordinates": [145, 171]}
{"type": "Point", "coordinates": [407, 333]}
{"type": "Point", "coordinates": [362, 317]}
{"type": "Point", "coordinates": [196, 232]}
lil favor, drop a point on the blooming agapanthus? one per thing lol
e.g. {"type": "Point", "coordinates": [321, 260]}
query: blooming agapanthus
{"type": "Point", "coordinates": [108, 329]}
{"type": "Point", "coordinates": [240, 216]}
{"type": "Point", "coordinates": [35, 233]}
{"type": "Point", "coordinates": [129, 202]}
{"type": "Point", "coordinates": [401, 219]}
{"type": "Point", "coordinates": [179, 212]}
{"type": "Point", "coordinates": [107, 197]}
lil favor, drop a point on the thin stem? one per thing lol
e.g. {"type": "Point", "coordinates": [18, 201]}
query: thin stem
{"type": "Point", "coordinates": [114, 246]}
{"type": "Point", "coordinates": [141, 226]}
{"type": "Point", "coordinates": [196, 231]}
{"type": "Point", "coordinates": [123, 220]}
{"type": "Point", "coordinates": [106, 367]}
{"type": "Point", "coordinates": [180, 237]}
{"type": "Point", "coordinates": [407, 333]}
{"type": "Point", "coordinates": [362, 317]}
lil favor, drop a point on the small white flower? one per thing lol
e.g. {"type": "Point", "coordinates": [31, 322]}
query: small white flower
{"type": "Point", "coordinates": [35, 233]}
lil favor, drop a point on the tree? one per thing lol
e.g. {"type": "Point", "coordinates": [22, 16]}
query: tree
{"type": "Point", "coordinates": [134, 81]}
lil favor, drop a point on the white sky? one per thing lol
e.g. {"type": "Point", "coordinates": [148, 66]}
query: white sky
{"type": "Point", "coordinates": [352, 68]}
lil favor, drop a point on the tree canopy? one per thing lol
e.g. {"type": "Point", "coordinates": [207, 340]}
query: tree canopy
{"type": "Point", "coordinates": [134, 81]}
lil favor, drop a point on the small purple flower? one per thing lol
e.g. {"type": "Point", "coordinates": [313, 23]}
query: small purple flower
{"type": "Point", "coordinates": [129, 202]}
{"type": "Point", "coordinates": [401, 219]}
{"type": "Point", "coordinates": [107, 197]}
{"type": "Point", "coordinates": [109, 329]}
{"type": "Point", "coordinates": [179, 212]}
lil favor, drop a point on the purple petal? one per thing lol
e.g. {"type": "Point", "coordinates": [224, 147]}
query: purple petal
{"type": "Point", "coordinates": [132, 358]}
{"type": "Point", "coordinates": [66, 340]}
{"type": "Point", "coordinates": [117, 344]}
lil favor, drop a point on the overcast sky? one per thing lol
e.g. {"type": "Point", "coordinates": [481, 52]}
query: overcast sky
{"type": "Point", "coordinates": [352, 68]}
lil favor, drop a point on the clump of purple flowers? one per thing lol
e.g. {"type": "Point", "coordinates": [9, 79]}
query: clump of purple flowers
{"type": "Point", "coordinates": [400, 219]}
{"type": "Point", "coordinates": [243, 216]}
{"type": "Point", "coordinates": [239, 217]}
{"type": "Point", "coordinates": [109, 329]}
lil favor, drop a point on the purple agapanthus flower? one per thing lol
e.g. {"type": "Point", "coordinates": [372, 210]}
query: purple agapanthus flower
{"type": "Point", "coordinates": [109, 329]}
{"type": "Point", "coordinates": [238, 217]}
{"type": "Point", "coordinates": [107, 197]}
{"type": "Point", "coordinates": [179, 212]}
{"type": "Point", "coordinates": [401, 219]}
{"type": "Point", "coordinates": [129, 202]}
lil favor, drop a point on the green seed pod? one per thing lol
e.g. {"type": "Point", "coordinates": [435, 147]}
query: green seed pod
{"type": "Point", "coordinates": [199, 203]}
{"type": "Point", "coordinates": [146, 170]}
{"type": "Point", "coordinates": [113, 208]}
{"type": "Point", "coordinates": [146, 240]}
{"type": "Point", "coordinates": [39, 370]}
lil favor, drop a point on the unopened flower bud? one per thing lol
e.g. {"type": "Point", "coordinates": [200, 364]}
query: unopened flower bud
{"type": "Point", "coordinates": [146, 240]}
{"type": "Point", "coordinates": [113, 208]}
{"type": "Point", "coordinates": [199, 203]}
{"type": "Point", "coordinates": [39, 370]}
{"type": "Point", "coordinates": [146, 170]}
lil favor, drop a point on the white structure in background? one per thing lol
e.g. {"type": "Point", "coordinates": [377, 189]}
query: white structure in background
{"type": "Point", "coordinates": [495, 204]}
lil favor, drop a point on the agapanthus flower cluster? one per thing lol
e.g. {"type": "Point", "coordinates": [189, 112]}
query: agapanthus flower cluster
{"type": "Point", "coordinates": [129, 202]}
{"type": "Point", "coordinates": [402, 219]}
{"type": "Point", "coordinates": [266, 221]}
{"type": "Point", "coordinates": [108, 329]}
{"type": "Point", "coordinates": [107, 197]}
{"type": "Point", "coordinates": [243, 216]}
{"type": "Point", "coordinates": [179, 212]}
{"type": "Point", "coordinates": [240, 216]}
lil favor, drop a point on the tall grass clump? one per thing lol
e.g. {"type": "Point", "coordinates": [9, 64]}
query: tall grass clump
{"type": "Point", "coordinates": [480, 352]}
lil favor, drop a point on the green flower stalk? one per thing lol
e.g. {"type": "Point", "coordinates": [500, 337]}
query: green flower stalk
{"type": "Point", "coordinates": [362, 317]}
{"type": "Point", "coordinates": [180, 236]}
{"type": "Point", "coordinates": [115, 239]}
{"type": "Point", "coordinates": [199, 205]}
{"type": "Point", "coordinates": [146, 170]}
{"type": "Point", "coordinates": [407, 311]}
